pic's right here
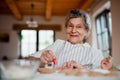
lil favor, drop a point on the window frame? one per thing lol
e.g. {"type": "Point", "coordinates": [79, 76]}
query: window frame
{"type": "Point", "coordinates": [105, 14]}
{"type": "Point", "coordinates": [37, 41]}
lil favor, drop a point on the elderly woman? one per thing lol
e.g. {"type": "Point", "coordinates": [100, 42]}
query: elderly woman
{"type": "Point", "coordinates": [74, 52]}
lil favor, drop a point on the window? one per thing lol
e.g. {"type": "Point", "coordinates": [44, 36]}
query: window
{"type": "Point", "coordinates": [33, 40]}
{"type": "Point", "coordinates": [46, 39]}
{"type": "Point", "coordinates": [104, 31]}
{"type": "Point", "coordinates": [28, 43]}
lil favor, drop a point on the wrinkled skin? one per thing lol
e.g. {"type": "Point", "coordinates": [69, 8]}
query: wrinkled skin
{"type": "Point", "coordinates": [105, 64]}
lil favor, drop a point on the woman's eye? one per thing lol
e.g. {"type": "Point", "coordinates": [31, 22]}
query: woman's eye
{"type": "Point", "coordinates": [69, 26]}
{"type": "Point", "coordinates": [79, 27]}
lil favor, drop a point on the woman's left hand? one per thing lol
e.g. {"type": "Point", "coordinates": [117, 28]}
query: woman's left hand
{"type": "Point", "coordinates": [72, 65]}
{"type": "Point", "coordinates": [106, 64]}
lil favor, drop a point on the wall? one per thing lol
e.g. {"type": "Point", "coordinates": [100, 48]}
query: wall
{"type": "Point", "coordinates": [115, 9]}
{"type": "Point", "coordinates": [11, 48]}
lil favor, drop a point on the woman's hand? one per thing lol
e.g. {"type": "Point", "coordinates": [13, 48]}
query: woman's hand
{"type": "Point", "coordinates": [106, 64]}
{"type": "Point", "coordinates": [72, 65]}
{"type": "Point", "coordinates": [47, 56]}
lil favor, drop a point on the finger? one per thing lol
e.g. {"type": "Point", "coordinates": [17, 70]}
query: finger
{"type": "Point", "coordinates": [105, 62]}
{"type": "Point", "coordinates": [106, 66]}
{"type": "Point", "coordinates": [69, 64]}
{"type": "Point", "coordinates": [46, 59]}
{"type": "Point", "coordinates": [74, 65]}
{"type": "Point", "coordinates": [51, 54]}
{"type": "Point", "coordinates": [43, 60]}
{"type": "Point", "coordinates": [64, 65]}
{"type": "Point", "coordinates": [47, 55]}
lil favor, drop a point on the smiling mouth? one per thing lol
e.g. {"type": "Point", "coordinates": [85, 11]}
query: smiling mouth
{"type": "Point", "coordinates": [74, 35]}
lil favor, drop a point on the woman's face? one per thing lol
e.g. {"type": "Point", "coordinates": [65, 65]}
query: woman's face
{"type": "Point", "coordinates": [75, 30]}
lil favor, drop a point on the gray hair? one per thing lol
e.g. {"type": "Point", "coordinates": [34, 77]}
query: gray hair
{"type": "Point", "coordinates": [76, 13]}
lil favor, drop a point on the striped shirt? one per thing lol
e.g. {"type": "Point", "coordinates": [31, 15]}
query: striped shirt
{"type": "Point", "coordinates": [81, 53]}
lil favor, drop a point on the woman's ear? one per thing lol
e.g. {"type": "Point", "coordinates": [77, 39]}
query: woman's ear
{"type": "Point", "coordinates": [87, 33]}
{"type": "Point", "coordinates": [86, 36]}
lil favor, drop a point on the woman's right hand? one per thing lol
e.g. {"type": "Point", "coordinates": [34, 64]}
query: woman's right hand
{"type": "Point", "coordinates": [47, 56]}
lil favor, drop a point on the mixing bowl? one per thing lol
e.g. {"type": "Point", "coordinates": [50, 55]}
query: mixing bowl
{"type": "Point", "coordinates": [18, 69]}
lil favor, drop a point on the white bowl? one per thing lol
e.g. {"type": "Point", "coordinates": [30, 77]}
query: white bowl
{"type": "Point", "coordinates": [18, 69]}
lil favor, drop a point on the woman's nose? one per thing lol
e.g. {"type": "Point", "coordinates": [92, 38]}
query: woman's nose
{"type": "Point", "coordinates": [74, 29]}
